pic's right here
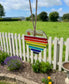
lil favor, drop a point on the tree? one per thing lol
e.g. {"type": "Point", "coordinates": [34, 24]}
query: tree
{"type": "Point", "coordinates": [30, 17]}
{"type": "Point", "coordinates": [27, 18]}
{"type": "Point", "coordinates": [33, 17]}
{"type": "Point", "coordinates": [43, 16]}
{"type": "Point", "coordinates": [2, 13]}
{"type": "Point", "coordinates": [53, 16]}
{"type": "Point", "coordinates": [66, 17]}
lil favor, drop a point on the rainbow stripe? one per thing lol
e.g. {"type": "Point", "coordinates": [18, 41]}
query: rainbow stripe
{"type": "Point", "coordinates": [36, 44]}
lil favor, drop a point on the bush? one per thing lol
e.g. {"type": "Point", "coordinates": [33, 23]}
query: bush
{"type": "Point", "coordinates": [27, 18]}
{"type": "Point", "coordinates": [14, 62]}
{"type": "Point", "coordinates": [36, 67]}
{"type": "Point", "coordinates": [10, 19]}
{"type": "Point", "coordinates": [30, 17]}
{"type": "Point", "coordinates": [66, 17]}
{"type": "Point", "coordinates": [53, 16]}
{"type": "Point", "coordinates": [3, 56]}
{"type": "Point", "coordinates": [45, 67]}
{"type": "Point", "coordinates": [41, 67]}
{"type": "Point", "coordinates": [66, 20]}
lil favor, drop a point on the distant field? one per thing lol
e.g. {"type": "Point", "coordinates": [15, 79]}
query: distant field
{"type": "Point", "coordinates": [53, 29]}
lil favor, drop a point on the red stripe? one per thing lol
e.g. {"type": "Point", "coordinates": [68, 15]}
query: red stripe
{"type": "Point", "coordinates": [37, 38]}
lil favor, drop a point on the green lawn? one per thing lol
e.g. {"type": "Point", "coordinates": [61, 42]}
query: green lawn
{"type": "Point", "coordinates": [53, 29]}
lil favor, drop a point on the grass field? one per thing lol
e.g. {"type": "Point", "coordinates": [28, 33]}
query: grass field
{"type": "Point", "coordinates": [53, 29]}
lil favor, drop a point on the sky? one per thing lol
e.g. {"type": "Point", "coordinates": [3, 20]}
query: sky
{"type": "Point", "coordinates": [20, 8]}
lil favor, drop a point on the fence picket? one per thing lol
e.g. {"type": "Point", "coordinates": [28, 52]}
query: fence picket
{"type": "Point", "coordinates": [31, 56]}
{"type": "Point", "coordinates": [16, 44]}
{"type": "Point", "coordinates": [67, 50]}
{"type": "Point", "coordinates": [40, 56]}
{"type": "Point", "coordinates": [55, 53]}
{"type": "Point", "coordinates": [44, 59]}
{"type": "Point", "coordinates": [10, 43]}
{"type": "Point", "coordinates": [36, 58]}
{"type": "Point", "coordinates": [23, 47]}
{"type": "Point", "coordinates": [13, 46]}
{"type": "Point", "coordinates": [1, 42]}
{"type": "Point", "coordinates": [20, 46]}
{"type": "Point", "coordinates": [7, 42]}
{"type": "Point", "coordinates": [50, 45]}
{"type": "Point", "coordinates": [27, 53]}
{"type": "Point", "coordinates": [4, 42]}
{"type": "Point", "coordinates": [60, 53]}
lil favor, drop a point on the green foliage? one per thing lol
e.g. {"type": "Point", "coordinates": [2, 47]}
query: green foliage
{"type": "Point", "coordinates": [41, 67]}
{"type": "Point", "coordinates": [46, 81]}
{"type": "Point", "coordinates": [42, 16]}
{"type": "Point", "coordinates": [66, 17]}
{"type": "Point", "coordinates": [66, 20]}
{"type": "Point", "coordinates": [30, 17]}
{"type": "Point", "coordinates": [27, 18]}
{"type": "Point", "coordinates": [2, 13]}
{"type": "Point", "coordinates": [53, 16]}
{"type": "Point", "coordinates": [3, 56]}
{"type": "Point", "coordinates": [36, 67]}
{"type": "Point", "coordinates": [45, 67]}
{"type": "Point", "coordinates": [10, 19]}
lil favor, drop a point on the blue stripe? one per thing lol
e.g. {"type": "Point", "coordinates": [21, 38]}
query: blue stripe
{"type": "Point", "coordinates": [36, 48]}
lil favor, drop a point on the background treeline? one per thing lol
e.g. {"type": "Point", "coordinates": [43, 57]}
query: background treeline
{"type": "Point", "coordinates": [53, 16]}
{"type": "Point", "coordinates": [10, 19]}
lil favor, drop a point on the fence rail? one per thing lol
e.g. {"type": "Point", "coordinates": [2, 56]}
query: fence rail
{"type": "Point", "coordinates": [56, 52]}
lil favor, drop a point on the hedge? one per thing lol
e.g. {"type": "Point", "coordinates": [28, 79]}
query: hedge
{"type": "Point", "coordinates": [10, 19]}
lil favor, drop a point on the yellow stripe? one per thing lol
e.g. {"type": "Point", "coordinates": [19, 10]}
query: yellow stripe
{"type": "Point", "coordinates": [35, 43]}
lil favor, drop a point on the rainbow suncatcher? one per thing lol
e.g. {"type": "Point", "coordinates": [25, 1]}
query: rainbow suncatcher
{"type": "Point", "coordinates": [36, 44]}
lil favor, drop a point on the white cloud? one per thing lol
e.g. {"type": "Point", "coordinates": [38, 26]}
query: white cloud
{"type": "Point", "coordinates": [24, 4]}
{"type": "Point", "coordinates": [58, 10]}
{"type": "Point", "coordinates": [67, 2]}
{"type": "Point", "coordinates": [49, 3]}
{"type": "Point", "coordinates": [15, 4]}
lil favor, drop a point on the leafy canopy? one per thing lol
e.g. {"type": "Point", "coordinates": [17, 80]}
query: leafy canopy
{"type": "Point", "coordinates": [53, 16]}
{"type": "Point", "coordinates": [2, 13]}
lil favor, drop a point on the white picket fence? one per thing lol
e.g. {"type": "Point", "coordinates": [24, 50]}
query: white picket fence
{"type": "Point", "coordinates": [57, 49]}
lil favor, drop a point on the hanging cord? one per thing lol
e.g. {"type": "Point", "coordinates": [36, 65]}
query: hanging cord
{"type": "Point", "coordinates": [35, 18]}
{"type": "Point", "coordinates": [34, 25]}
{"type": "Point", "coordinates": [31, 13]}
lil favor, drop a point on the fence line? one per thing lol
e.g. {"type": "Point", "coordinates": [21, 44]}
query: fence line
{"type": "Point", "coordinates": [56, 52]}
